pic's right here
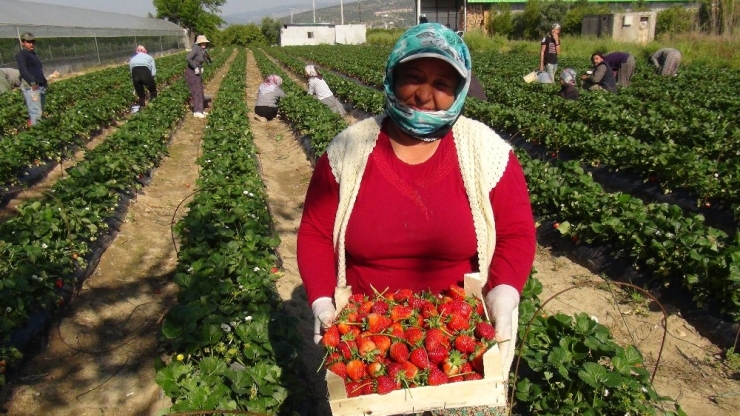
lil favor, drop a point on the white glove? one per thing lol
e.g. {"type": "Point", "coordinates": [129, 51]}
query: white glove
{"type": "Point", "coordinates": [324, 314]}
{"type": "Point", "coordinates": [503, 307]}
{"type": "Point", "coordinates": [197, 71]}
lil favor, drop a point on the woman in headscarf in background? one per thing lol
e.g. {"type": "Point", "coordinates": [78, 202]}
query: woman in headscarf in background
{"type": "Point", "coordinates": [268, 94]}
{"type": "Point", "coordinates": [568, 89]}
{"type": "Point", "coordinates": [419, 196]}
{"type": "Point", "coordinates": [143, 70]}
{"type": "Point", "coordinates": [318, 87]}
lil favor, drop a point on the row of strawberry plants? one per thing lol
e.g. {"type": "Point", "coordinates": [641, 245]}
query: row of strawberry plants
{"type": "Point", "coordinates": [51, 241]}
{"type": "Point", "coordinates": [627, 380]}
{"type": "Point", "coordinates": [305, 113]}
{"type": "Point", "coordinates": [622, 131]}
{"type": "Point", "coordinates": [53, 138]}
{"type": "Point", "coordinates": [702, 259]}
{"type": "Point", "coordinates": [233, 346]}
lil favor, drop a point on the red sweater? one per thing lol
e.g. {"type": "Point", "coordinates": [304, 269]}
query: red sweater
{"type": "Point", "coordinates": [411, 226]}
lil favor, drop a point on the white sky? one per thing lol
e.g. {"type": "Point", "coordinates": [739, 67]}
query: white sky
{"type": "Point", "coordinates": [142, 7]}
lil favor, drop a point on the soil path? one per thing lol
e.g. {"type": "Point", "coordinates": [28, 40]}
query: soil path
{"type": "Point", "coordinates": [99, 359]}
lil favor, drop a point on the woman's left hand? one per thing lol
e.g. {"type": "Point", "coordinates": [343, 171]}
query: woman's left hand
{"type": "Point", "coordinates": [503, 308]}
{"type": "Point", "coordinates": [324, 314]}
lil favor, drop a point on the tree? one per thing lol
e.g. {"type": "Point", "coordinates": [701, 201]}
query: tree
{"type": "Point", "coordinates": [243, 35]}
{"type": "Point", "coordinates": [198, 16]}
{"type": "Point", "coordinates": [271, 30]}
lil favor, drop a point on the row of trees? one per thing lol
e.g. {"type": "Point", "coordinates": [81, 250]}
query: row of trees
{"type": "Point", "coordinates": [717, 17]}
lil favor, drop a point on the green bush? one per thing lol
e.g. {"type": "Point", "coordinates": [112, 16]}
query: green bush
{"type": "Point", "coordinates": [501, 22]}
{"type": "Point", "coordinates": [676, 19]}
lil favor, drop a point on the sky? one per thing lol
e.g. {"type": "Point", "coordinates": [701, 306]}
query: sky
{"type": "Point", "coordinates": [142, 7]}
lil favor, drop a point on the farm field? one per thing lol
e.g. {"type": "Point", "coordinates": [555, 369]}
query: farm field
{"type": "Point", "coordinates": [238, 333]}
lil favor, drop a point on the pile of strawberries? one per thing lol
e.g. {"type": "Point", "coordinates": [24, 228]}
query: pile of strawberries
{"type": "Point", "coordinates": [390, 341]}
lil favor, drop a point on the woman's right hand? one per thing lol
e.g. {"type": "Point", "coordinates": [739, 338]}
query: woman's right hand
{"type": "Point", "coordinates": [324, 314]}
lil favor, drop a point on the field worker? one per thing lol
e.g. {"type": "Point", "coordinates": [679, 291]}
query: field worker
{"type": "Point", "coordinates": [666, 61]}
{"type": "Point", "coordinates": [143, 70]}
{"type": "Point", "coordinates": [622, 65]}
{"type": "Point", "coordinates": [318, 87]}
{"type": "Point", "coordinates": [9, 78]}
{"type": "Point", "coordinates": [600, 77]}
{"type": "Point", "coordinates": [418, 196]}
{"type": "Point", "coordinates": [549, 51]}
{"type": "Point", "coordinates": [33, 81]}
{"type": "Point", "coordinates": [568, 89]}
{"type": "Point", "coordinates": [195, 60]}
{"type": "Point", "coordinates": [268, 94]}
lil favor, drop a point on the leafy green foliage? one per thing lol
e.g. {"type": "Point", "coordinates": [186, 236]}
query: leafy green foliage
{"type": "Point", "coordinates": [242, 35]}
{"type": "Point", "coordinates": [198, 16]}
{"type": "Point", "coordinates": [676, 19]}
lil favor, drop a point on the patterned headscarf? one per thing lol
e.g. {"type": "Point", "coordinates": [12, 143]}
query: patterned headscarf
{"type": "Point", "coordinates": [140, 49]}
{"type": "Point", "coordinates": [568, 76]}
{"type": "Point", "coordinates": [270, 83]}
{"type": "Point", "coordinates": [311, 71]}
{"type": "Point", "coordinates": [427, 40]}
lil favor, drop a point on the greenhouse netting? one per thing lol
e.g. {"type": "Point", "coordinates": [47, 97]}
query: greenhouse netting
{"type": "Point", "coordinates": [69, 38]}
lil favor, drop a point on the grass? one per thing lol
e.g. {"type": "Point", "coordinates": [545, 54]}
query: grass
{"type": "Point", "coordinates": [712, 51]}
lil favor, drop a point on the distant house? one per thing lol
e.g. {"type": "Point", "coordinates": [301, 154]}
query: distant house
{"type": "Point", "coordinates": [636, 27]}
{"type": "Point", "coordinates": [466, 15]}
{"type": "Point", "coordinates": [317, 34]}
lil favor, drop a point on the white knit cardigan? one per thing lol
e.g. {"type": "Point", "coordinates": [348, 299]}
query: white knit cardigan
{"type": "Point", "coordinates": [482, 155]}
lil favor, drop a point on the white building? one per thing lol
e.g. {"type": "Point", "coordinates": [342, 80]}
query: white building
{"type": "Point", "coordinates": [318, 34]}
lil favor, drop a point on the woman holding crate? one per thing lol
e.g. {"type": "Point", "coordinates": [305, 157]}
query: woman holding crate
{"type": "Point", "coordinates": [420, 195]}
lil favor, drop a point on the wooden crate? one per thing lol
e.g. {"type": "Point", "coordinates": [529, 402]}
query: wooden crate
{"type": "Point", "coordinates": [490, 391]}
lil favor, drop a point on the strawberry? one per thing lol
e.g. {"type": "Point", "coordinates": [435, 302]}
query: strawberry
{"type": "Point", "coordinates": [356, 370]}
{"type": "Point", "coordinates": [484, 330]}
{"type": "Point", "coordinates": [347, 321]}
{"type": "Point", "coordinates": [435, 337]}
{"type": "Point", "coordinates": [375, 369]}
{"type": "Point", "coordinates": [419, 358]}
{"type": "Point", "coordinates": [339, 368]}
{"type": "Point", "coordinates": [347, 348]}
{"type": "Point", "coordinates": [377, 323]}
{"type": "Point", "coordinates": [400, 313]}
{"type": "Point", "coordinates": [437, 354]}
{"type": "Point", "coordinates": [366, 307]}
{"type": "Point", "coordinates": [366, 348]}
{"type": "Point", "coordinates": [403, 295]}
{"type": "Point", "coordinates": [394, 371]}
{"type": "Point", "coordinates": [380, 307]}
{"type": "Point", "coordinates": [465, 343]}
{"type": "Point", "coordinates": [399, 352]}
{"type": "Point", "coordinates": [455, 291]}
{"type": "Point", "coordinates": [59, 283]}
{"type": "Point", "coordinates": [357, 299]}
{"type": "Point", "coordinates": [462, 307]}
{"type": "Point", "coordinates": [457, 323]}
{"type": "Point", "coordinates": [476, 358]}
{"type": "Point", "coordinates": [368, 387]}
{"type": "Point", "coordinates": [331, 337]}
{"type": "Point", "coordinates": [353, 389]}
{"type": "Point", "coordinates": [416, 302]}
{"type": "Point", "coordinates": [428, 310]}
{"type": "Point", "coordinates": [414, 336]}
{"type": "Point", "coordinates": [382, 343]}
{"type": "Point", "coordinates": [384, 385]}
{"type": "Point", "coordinates": [410, 370]}
{"type": "Point", "coordinates": [436, 377]}
{"type": "Point", "coordinates": [451, 366]}
{"type": "Point", "coordinates": [473, 376]}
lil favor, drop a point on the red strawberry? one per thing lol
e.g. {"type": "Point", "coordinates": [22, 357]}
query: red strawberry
{"type": "Point", "coordinates": [436, 377]}
{"type": "Point", "coordinates": [438, 354]}
{"type": "Point", "coordinates": [419, 358]}
{"type": "Point", "coordinates": [400, 313]}
{"type": "Point", "coordinates": [410, 370]}
{"type": "Point", "coordinates": [382, 343]}
{"type": "Point", "coordinates": [484, 330]}
{"type": "Point", "coordinates": [353, 389]}
{"type": "Point", "coordinates": [458, 322]}
{"type": "Point", "coordinates": [428, 310]}
{"type": "Point", "coordinates": [462, 307]}
{"type": "Point", "coordinates": [384, 385]}
{"type": "Point", "coordinates": [451, 366]}
{"type": "Point", "coordinates": [59, 283]}
{"type": "Point", "coordinates": [366, 348]}
{"type": "Point", "coordinates": [380, 307]}
{"type": "Point", "coordinates": [357, 299]}
{"type": "Point", "coordinates": [339, 368]}
{"type": "Point", "coordinates": [395, 371]}
{"type": "Point", "coordinates": [332, 358]}
{"type": "Point", "coordinates": [366, 307]}
{"type": "Point", "coordinates": [414, 336]}
{"type": "Point", "coordinates": [476, 358]}
{"type": "Point", "coordinates": [399, 352]}
{"type": "Point", "coordinates": [455, 291]}
{"type": "Point", "coordinates": [331, 337]}
{"type": "Point", "coordinates": [416, 302]}
{"type": "Point", "coordinates": [347, 348]}
{"type": "Point", "coordinates": [473, 376]}
{"type": "Point", "coordinates": [403, 295]}
{"type": "Point", "coordinates": [377, 323]}
{"type": "Point", "coordinates": [435, 337]}
{"type": "Point", "coordinates": [356, 370]}
{"type": "Point", "coordinates": [465, 343]}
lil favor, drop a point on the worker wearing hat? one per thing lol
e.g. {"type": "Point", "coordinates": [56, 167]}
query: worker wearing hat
{"type": "Point", "coordinates": [549, 51]}
{"type": "Point", "coordinates": [33, 81]}
{"type": "Point", "coordinates": [196, 58]}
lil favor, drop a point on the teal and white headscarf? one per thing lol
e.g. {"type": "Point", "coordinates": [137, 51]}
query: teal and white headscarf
{"type": "Point", "coordinates": [428, 40]}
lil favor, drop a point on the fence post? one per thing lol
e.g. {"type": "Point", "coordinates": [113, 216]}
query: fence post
{"type": "Point", "coordinates": [97, 49]}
